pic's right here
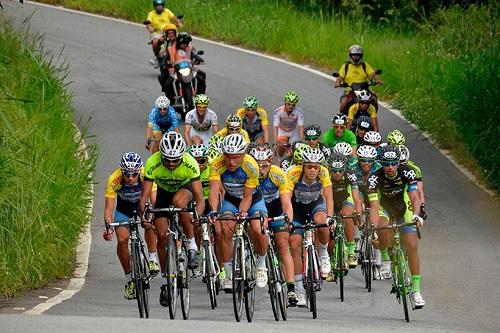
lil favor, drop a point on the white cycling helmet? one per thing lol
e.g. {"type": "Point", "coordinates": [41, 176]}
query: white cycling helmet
{"type": "Point", "coordinates": [339, 119]}
{"type": "Point", "coordinates": [372, 137]}
{"type": "Point", "coordinates": [234, 144]}
{"type": "Point", "coordinates": [363, 96]}
{"type": "Point", "coordinates": [312, 155]}
{"type": "Point", "coordinates": [233, 121]}
{"type": "Point", "coordinates": [261, 153]}
{"type": "Point", "coordinates": [198, 150]}
{"type": "Point", "coordinates": [367, 151]}
{"type": "Point", "coordinates": [404, 153]}
{"type": "Point", "coordinates": [342, 148]}
{"type": "Point", "coordinates": [172, 146]}
{"type": "Point", "coordinates": [131, 162]}
{"type": "Point", "coordinates": [337, 161]}
{"type": "Point", "coordinates": [162, 102]}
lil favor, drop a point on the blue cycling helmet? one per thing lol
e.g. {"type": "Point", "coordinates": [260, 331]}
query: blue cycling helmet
{"type": "Point", "coordinates": [131, 162]}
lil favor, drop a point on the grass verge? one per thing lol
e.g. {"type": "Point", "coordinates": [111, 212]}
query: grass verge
{"type": "Point", "coordinates": [44, 191]}
{"type": "Point", "coordinates": [443, 76]}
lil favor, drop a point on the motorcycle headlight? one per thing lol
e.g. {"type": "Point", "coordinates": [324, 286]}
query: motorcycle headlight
{"type": "Point", "coordinates": [184, 71]}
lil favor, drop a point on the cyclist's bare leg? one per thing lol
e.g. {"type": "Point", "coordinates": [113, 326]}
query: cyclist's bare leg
{"type": "Point", "coordinates": [349, 223]}
{"type": "Point", "coordinates": [150, 238]}
{"type": "Point", "coordinates": [323, 233]}
{"type": "Point", "coordinates": [218, 241]}
{"type": "Point", "coordinates": [283, 248]}
{"type": "Point", "coordinates": [343, 103]}
{"type": "Point", "coordinates": [226, 248]}
{"type": "Point", "coordinates": [260, 241]}
{"type": "Point", "coordinates": [410, 245]}
{"type": "Point", "coordinates": [161, 225]}
{"type": "Point", "coordinates": [122, 236]}
{"type": "Point", "coordinates": [196, 140]}
{"type": "Point", "coordinates": [384, 236]}
{"type": "Point", "coordinates": [182, 199]}
{"type": "Point", "coordinates": [155, 43]}
{"type": "Point", "coordinates": [260, 140]}
{"type": "Point", "coordinates": [296, 247]}
{"type": "Point", "coordinates": [156, 144]}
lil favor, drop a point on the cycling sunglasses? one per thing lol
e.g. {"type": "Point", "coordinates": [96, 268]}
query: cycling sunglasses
{"type": "Point", "coordinates": [333, 170]}
{"type": "Point", "coordinates": [339, 126]}
{"type": "Point", "coordinates": [290, 104]}
{"type": "Point", "coordinates": [311, 138]}
{"type": "Point", "coordinates": [130, 174]}
{"type": "Point", "coordinates": [312, 166]}
{"type": "Point", "coordinates": [234, 129]}
{"type": "Point", "coordinates": [366, 160]}
{"type": "Point", "coordinates": [390, 163]}
{"type": "Point", "coordinates": [167, 161]}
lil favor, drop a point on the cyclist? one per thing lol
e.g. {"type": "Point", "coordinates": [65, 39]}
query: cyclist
{"type": "Point", "coordinates": [363, 125]}
{"type": "Point", "coordinates": [177, 175]}
{"type": "Point", "coordinates": [405, 160]}
{"type": "Point", "coordinates": [124, 188]}
{"type": "Point", "coordinates": [312, 196]}
{"type": "Point", "coordinates": [388, 189]}
{"type": "Point", "coordinates": [345, 149]}
{"type": "Point", "coordinates": [237, 174]}
{"type": "Point", "coordinates": [255, 120]}
{"type": "Point", "coordinates": [396, 138]}
{"type": "Point", "coordinates": [355, 71]}
{"type": "Point", "coordinates": [346, 200]}
{"type": "Point", "coordinates": [162, 119]}
{"type": "Point", "coordinates": [234, 125]}
{"type": "Point", "coordinates": [200, 121]}
{"type": "Point", "coordinates": [156, 23]}
{"type": "Point", "coordinates": [288, 119]}
{"type": "Point", "coordinates": [312, 133]}
{"type": "Point", "coordinates": [275, 189]}
{"type": "Point", "coordinates": [362, 108]}
{"type": "Point", "coordinates": [373, 139]}
{"type": "Point", "coordinates": [339, 133]}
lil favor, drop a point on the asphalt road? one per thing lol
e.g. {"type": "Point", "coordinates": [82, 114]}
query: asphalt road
{"type": "Point", "coordinates": [115, 87]}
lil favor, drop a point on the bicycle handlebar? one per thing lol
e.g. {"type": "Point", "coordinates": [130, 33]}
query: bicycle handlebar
{"type": "Point", "coordinates": [237, 218]}
{"type": "Point", "coordinates": [309, 226]}
{"type": "Point", "coordinates": [399, 226]}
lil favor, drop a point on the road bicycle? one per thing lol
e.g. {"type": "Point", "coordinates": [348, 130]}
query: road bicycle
{"type": "Point", "coordinates": [401, 276]}
{"type": "Point", "coordinates": [209, 263]}
{"type": "Point", "coordinates": [366, 257]}
{"type": "Point", "coordinates": [139, 262]}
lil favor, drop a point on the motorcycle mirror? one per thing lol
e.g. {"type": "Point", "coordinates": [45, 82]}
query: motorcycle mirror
{"type": "Point", "coordinates": [180, 16]}
{"type": "Point", "coordinates": [335, 74]}
{"type": "Point", "coordinates": [201, 52]}
{"type": "Point", "coordinates": [146, 22]}
{"type": "Point", "coordinates": [378, 71]}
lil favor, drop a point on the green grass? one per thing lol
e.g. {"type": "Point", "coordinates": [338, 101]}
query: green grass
{"type": "Point", "coordinates": [44, 188]}
{"type": "Point", "coordinates": [443, 76]}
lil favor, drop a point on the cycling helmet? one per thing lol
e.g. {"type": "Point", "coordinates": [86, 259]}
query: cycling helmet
{"type": "Point", "coordinates": [404, 153]}
{"type": "Point", "coordinates": [201, 99]}
{"type": "Point", "coordinates": [233, 121]}
{"type": "Point", "coordinates": [250, 102]}
{"type": "Point", "coordinates": [367, 151]}
{"type": "Point", "coordinates": [339, 119]}
{"type": "Point", "coordinates": [172, 146]}
{"type": "Point", "coordinates": [213, 153]}
{"type": "Point", "coordinates": [364, 96]}
{"type": "Point", "coordinates": [355, 49]}
{"type": "Point", "coordinates": [342, 148]}
{"type": "Point", "coordinates": [364, 122]}
{"type": "Point", "coordinates": [372, 137]}
{"type": "Point", "coordinates": [198, 150]}
{"type": "Point", "coordinates": [312, 155]}
{"type": "Point", "coordinates": [312, 131]}
{"type": "Point", "coordinates": [183, 38]}
{"type": "Point", "coordinates": [131, 162]}
{"type": "Point", "coordinates": [298, 150]}
{"type": "Point", "coordinates": [396, 138]}
{"type": "Point", "coordinates": [261, 153]}
{"type": "Point", "coordinates": [291, 97]}
{"type": "Point", "coordinates": [158, 3]}
{"type": "Point", "coordinates": [337, 161]}
{"type": "Point", "coordinates": [389, 153]}
{"type": "Point", "coordinates": [170, 26]}
{"type": "Point", "coordinates": [162, 102]}
{"type": "Point", "coordinates": [234, 144]}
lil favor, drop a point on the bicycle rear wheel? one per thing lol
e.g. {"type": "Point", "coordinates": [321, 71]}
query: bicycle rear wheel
{"type": "Point", "coordinates": [237, 276]}
{"type": "Point", "coordinates": [172, 290]}
{"type": "Point", "coordinates": [311, 290]}
{"type": "Point", "coordinates": [136, 273]}
{"type": "Point", "coordinates": [249, 281]}
{"type": "Point", "coordinates": [183, 278]}
{"type": "Point", "coordinates": [209, 273]}
{"type": "Point", "coordinates": [272, 284]}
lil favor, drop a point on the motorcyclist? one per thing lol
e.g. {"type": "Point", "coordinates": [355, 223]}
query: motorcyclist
{"type": "Point", "coordinates": [355, 71]}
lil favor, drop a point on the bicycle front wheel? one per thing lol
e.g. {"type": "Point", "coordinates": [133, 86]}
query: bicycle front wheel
{"type": "Point", "coordinates": [249, 281]}
{"type": "Point", "coordinates": [282, 293]}
{"type": "Point", "coordinates": [311, 290]}
{"type": "Point", "coordinates": [183, 277]}
{"type": "Point", "coordinates": [172, 275]}
{"type": "Point", "coordinates": [403, 285]}
{"type": "Point", "coordinates": [209, 273]}
{"type": "Point", "coordinates": [145, 279]}
{"type": "Point", "coordinates": [368, 265]}
{"type": "Point", "coordinates": [136, 273]}
{"type": "Point", "coordinates": [339, 246]}
{"type": "Point", "coordinates": [237, 274]}
{"type": "Point", "coordinates": [272, 284]}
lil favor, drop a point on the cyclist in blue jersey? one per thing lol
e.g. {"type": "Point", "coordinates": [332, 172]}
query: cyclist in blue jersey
{"type": "Point", "coordinates": [162, 119]}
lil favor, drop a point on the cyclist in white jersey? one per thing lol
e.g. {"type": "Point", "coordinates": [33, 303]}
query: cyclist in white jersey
{"type": "Point", "coordinates": [289, 120]}
{"type": "Point", "coordinates": [199, 121]}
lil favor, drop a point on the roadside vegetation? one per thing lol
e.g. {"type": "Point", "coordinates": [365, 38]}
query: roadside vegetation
{"type": "Point", "coordinates": [45, 183]}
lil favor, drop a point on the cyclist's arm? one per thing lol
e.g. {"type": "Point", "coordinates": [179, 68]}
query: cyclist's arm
{"type": "Point", "coordinates": [415, 201]}
{"type": "Point", "coordinates": [420, 185]}
{"type": "Point", "coordinates": [198, 195]}
{"type": "Point", "coordinates": [265, 129]}
{"type": "Point", "coordinates": [357, 201]}
{"type": "Point", "coordinates": [374, 204]}
{"type": "Point", "coordinates": [286, 203]}
{"type": "Point", "coordinates": [375, 124]}
{"type": "Point", "coordinates": [213, 196]}
{"type": "Point", "coordinates": [109, 208]}
{"type": "Point", "coordinates": [187, 129]}
{"type": "Point", "coordinates": [301, 131]}
{"type": "Point", "coordinates": [215, 128]}
{"type": "Point", "coordinates": [328, 195]}
{"type": "Point", "coordinates": [246, 202]}
{"type": "Point", "coordinates": [147, 186]}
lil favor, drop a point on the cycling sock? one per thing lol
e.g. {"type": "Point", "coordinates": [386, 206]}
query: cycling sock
{"type": "Point", "coordinates": [228, 268]}
{"type": "Point", "coordinates": [324, 249]}
{"type": "Point", "coordinates": [415, 280]}
{"type": "Point", "coordinates": [351, 246]}
{"type": "Point", "coordinates": [298, 282]}
{"type": "Point", "coordinates": [385, 255]}
{"type": "Point", "coordinates": [191, 244]}
{"type": "Point", "coordinates": [290, 286]}
{"type": "Point", "coordinates": [261, 260]}
{"type": "Point", "coordinates": [127, 276]}
{"type": "Point", "coordinates": [153, 256]}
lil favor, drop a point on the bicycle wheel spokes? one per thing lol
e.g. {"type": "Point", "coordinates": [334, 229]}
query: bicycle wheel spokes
{"type": "Point", "coordinates": [209, 273]}
{"type": "Point", "coordinates": [249, 281]}
{"type": "Point", "coordinates": [404, 288]}
{"type": "Point", "coordinates": [282, 292]}
{"type": "Point", "coordinates": [183, 276]}
{"type": "Point", "coordinates": [237, 276]}
{"type": "Point", "coordinates": [311, 288]}
{"type": "Point", "coordinates": [136, 276]}
{"type": "Point", "coordinates": [172, 275]}
{"type": "Point", "coordinates": [145, 278]}
{"type": "Point", "coordinates": [271, 283]}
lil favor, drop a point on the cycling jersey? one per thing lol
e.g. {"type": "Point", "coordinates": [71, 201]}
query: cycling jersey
{"type": "Point", "coordinates": [165, 123]}
{"type": "Point", "coordinates": [390, 191]}
{"type": "Point", "coordinates": [254, 128]}
{"type": "Point", "coordinates": [205, 181]}
{"type": "Point", "coordinates": [171, 180]}
{"type": "Point", "coordinates": [159, 21]}
{"type": "Point", "coordinates": [285, 164]}
{"type": "Point", "coordinates": [223, 133]}
{"type": "Point", "coordinates": [330, 140]}
{"type": "Point", "coordinates": [355, 112]}
{"type": "Point", "coordinates": [275, 184]}
{"type": "Point", "coordinates": [127, 195]}
{"type": "Point", "coordinates": [342, 190]}
{"type": "Point", "coordinates": [193, 119]}
{"type": "Point", "coordinates": [418, 171]}
{"type": "Point", "coordinates": [363, 180]}
{"type": "Point", "coordinates": [302, 192]}
{"type": "Point", "coordinates": [234, 182]}
{"type": "Point", "coordinates": [288, 122]}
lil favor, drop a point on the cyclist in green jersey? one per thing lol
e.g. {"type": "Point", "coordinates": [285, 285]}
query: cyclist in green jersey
{"type": "Point", "coordinates": [339, 133]}
{"type": "Point", "coordinates": [177, 175]}
{"type": "Point", "coordinates": [405, 160]}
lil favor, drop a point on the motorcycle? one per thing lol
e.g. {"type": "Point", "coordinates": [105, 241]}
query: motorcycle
{"type": "Point", "coordinates": [356, 88]}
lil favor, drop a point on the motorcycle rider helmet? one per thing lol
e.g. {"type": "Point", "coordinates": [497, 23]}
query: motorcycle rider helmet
{"type": "Point", "coordinates": [159, 3]}
{"type": "Point", "coordinates": [342, 148]}
{"type": "Point", "coordinates": [131, 162]}
{"type": "Point", "coordinates": [312, 131]}
{"type": "Point", "coordinates": [355, 49]}
{"type": "Point", "coordinates": [250, 102]}
{"type": "Point", "coordinates": [162, 102]}
{"type": "Point", "coordinates": [396, 138]}
{"type": "Point", "coordinates": [170, 26]}
{"type": "Point", "coordinates": [389, 153]}
{"type": "Point", "coordinates": [233, 121]}
{"type": "Point", "coordinates": [234, 144]}
{"type": "Point", "coordinates": [172, 146]}
{"type": "Point", "coordinates": [337, 162]}
{"type": "Point", "coordinates": [312, 155]}
{"type": "Point", "coordinates": [339, 119]}
{"type": "Point", "coordinates": [291, 97]}
{"type": "Point", "coordinates": [364, 96]}
{"type": "Point", "coordinates": [201, 99]}
{"type": "Point", "coordinates": [183, 38]}
{"type": "Point", "coordinates": [367, 151]}
{"type": "Point", "coordinates": [372, 137]}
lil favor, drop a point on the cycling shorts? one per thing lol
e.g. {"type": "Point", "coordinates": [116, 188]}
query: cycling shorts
{"type": "Point", "coordinates": [120, 217]}
{"type": "Point", "coordinates": [292, 135]}
{"type": "Point", "coordinates": [204, 136]}
{"type": "Point", "coordinates": [301, 212]}
{"type": "Point", "coordinates": [257, 206]}
{"type": "Point", "coordinates": [406, 218]}
{"type": "Point", "coordinates": [164, 199]}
